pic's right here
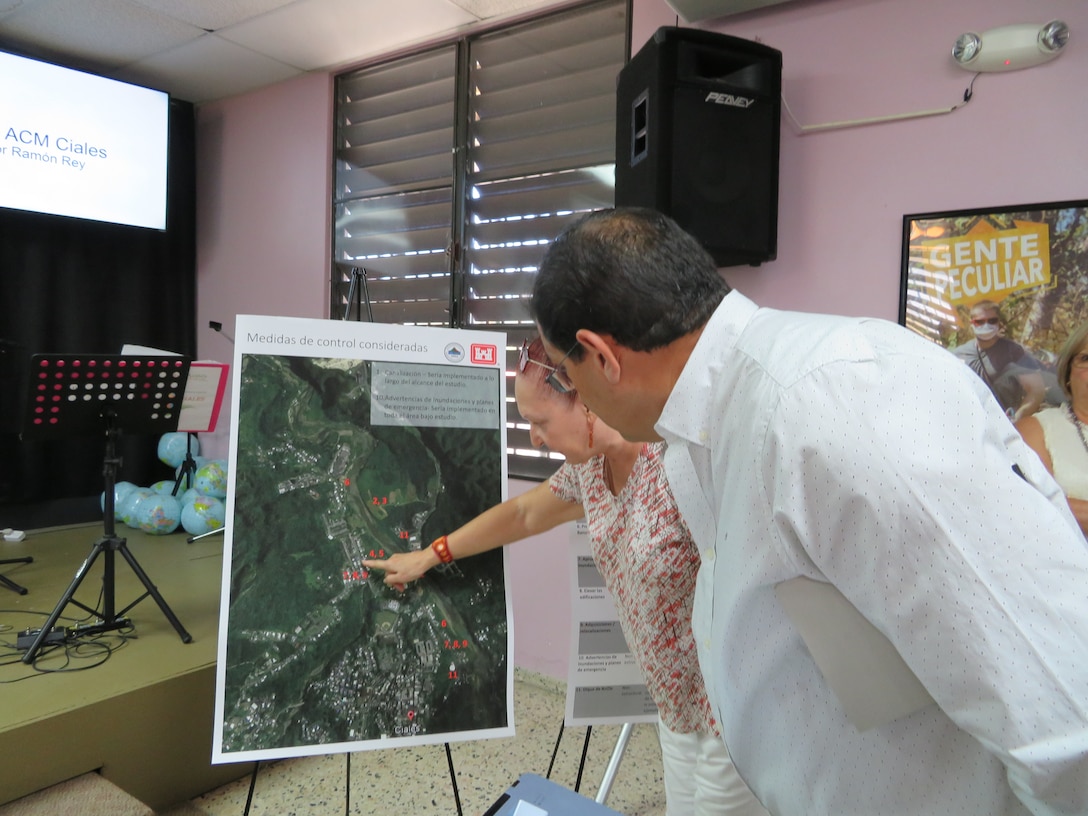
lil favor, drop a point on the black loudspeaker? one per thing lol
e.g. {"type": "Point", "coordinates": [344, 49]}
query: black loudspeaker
{"type": "Point", "coordinates": [697, 137]}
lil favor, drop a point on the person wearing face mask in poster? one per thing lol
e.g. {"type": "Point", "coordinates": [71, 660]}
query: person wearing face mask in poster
{"type": "Point", "coordinates": [1014, 376]}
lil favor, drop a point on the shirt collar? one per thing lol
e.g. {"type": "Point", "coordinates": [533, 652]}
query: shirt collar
{"type": "Point", "coordinates": [684, 417]}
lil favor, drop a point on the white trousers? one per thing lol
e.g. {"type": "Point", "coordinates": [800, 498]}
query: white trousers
{"type": "Point", "coordinates": [700, 779]}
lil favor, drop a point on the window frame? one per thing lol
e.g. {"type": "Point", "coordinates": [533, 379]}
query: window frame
{"type": "Point", "coordinates": [350, 288]}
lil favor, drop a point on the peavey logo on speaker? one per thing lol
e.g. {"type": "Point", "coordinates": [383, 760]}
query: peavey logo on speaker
{"type": "Point", "coordinates": [729, 99]}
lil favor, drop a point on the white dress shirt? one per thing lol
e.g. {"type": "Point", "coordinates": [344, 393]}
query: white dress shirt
{"type": "Point", "coordinates": [854, 452]}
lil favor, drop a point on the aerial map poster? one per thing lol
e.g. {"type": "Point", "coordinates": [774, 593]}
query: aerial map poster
{"type": "Point", "coordinates": [353, 441]}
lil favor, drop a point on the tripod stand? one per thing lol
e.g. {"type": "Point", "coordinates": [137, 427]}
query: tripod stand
{"type": "Point", "coordinates": [10, 584]}
{"type": "Point", "coordinates": [188, 467]}
{"type": "Point", "coordinates": [132, 376]}
{"type": "Point", "coordinates": [358, 294]}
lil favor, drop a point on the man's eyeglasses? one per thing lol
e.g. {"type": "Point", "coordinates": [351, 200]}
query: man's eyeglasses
{"type": "Point", "coordinates": [982, 321]}
{"type": "Point", "coordinates": [1080, 360]}
{"type": "Point", "coordinates": [559, 379]}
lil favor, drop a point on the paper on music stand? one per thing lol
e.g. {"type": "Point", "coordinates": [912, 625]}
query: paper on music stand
{"type": "Point", "coordinates": [204, 390]}
{"type": "Point", "coordinates": [863, 668]}
{"type": "Point", "coordinates": [203, 397]}
{"type": "Point", "coordinates": [131, 349]}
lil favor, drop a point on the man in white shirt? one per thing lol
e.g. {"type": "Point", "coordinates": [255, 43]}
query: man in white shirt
{"type": "Point", "coordinates": [856, 455]}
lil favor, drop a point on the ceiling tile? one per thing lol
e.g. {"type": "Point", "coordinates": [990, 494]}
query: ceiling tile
{"type": "Point", "coordinates": [488, 9]}
{"type": "Point", "coordinates": [102, 33]}
{"type": "Point", "coordinates": [316, 34]}
{"type": "Point", "coordinates": [207, 68]}
{"type": "Point", "coordinates": [166, 43]}
{"type": "Point", "coordinates": [211, 16]}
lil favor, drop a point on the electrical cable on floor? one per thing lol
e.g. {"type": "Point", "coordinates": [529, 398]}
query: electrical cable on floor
{"type": "Point", "coordinates": [73, 650]}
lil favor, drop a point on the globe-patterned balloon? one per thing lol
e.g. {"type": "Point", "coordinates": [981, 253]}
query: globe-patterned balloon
{"type": "Point", "coordinates": [120, 490]}
{"type": "Point", "coordinates": [211, 479]}
{"type": "Point", "coordinates": [127, 508]}
{"type": "Point", "coordinates": [172, 447]}
{"type": "Point", "coordinates": [157, 514]}
{"type": "Point", "coordinates": [165, 487]}
{"type": "Point", "coordinates": [203, 515]}
{"type": "Point", "coordinates": [188, 496]}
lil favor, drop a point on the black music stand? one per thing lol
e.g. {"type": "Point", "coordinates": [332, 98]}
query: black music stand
{"type": "Point", "coordinates": [83, 395]}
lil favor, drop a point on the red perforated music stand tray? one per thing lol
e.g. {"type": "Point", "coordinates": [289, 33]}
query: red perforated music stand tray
{"type": "Point", "coordinates": [74, 395]}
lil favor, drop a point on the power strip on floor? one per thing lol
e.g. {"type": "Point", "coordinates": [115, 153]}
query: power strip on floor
{"type": "Point", "coordinates": [26, 639]}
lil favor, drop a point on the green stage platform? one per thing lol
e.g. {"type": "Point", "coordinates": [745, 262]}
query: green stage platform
{"type": "Point", "coordinates": [144, 715]}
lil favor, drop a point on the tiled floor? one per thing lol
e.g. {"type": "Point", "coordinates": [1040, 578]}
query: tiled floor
{"type": "Point", "coordinates": [417, 780]}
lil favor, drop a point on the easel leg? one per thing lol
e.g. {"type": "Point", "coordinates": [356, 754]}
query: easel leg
{"type": "Point", "coordinates": [614, 764]}
{"type": "Point", "coordinates": [347, 784]}
{"type": "Point", "coordinates": [582, 761]}
{"type": "Point", "coordinates": [453, 779]}
{"type": "Point", "coordinates": [252, 786]}
{"type": "Point", "coordinates": [555, 750]}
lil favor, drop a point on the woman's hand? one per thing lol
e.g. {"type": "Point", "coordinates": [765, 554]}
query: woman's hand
{"type": "Point", "coordinates": [402, 568]}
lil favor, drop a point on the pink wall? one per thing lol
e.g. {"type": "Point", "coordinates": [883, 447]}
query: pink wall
{"type": "Point", "coordinates": [264, 172]}
{"type": "Point", "coordinates": [265, 167]}
{"type": "Point", "coordinates": [539, 570]}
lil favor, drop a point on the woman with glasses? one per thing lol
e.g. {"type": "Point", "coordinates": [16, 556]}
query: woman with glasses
{"type": "Point", "coordinates": [1060, 435]}
{"type": "Point", "coordinates": [643, 550]}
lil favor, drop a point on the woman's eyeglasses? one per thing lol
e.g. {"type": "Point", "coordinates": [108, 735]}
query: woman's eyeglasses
{"type": "Point", "coordinates": [557, 376]}
{"type": "Point", "coordinates": [524, 359]}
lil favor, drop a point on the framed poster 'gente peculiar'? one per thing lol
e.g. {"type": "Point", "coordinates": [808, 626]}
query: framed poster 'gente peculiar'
{"type": "Point", "coordinates": [1001, 288]}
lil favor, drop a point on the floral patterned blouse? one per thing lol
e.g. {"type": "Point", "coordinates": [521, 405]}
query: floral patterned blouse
{"type": "Point", "coordinates": [649, 562]}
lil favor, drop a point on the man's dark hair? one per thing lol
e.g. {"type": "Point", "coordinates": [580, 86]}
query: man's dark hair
{"type": "Point", "coordinates": [631, 273]}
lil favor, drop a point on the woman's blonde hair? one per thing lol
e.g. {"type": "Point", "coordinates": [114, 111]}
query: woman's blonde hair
{"type": "Point", "coordinates": [1073, 344]}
